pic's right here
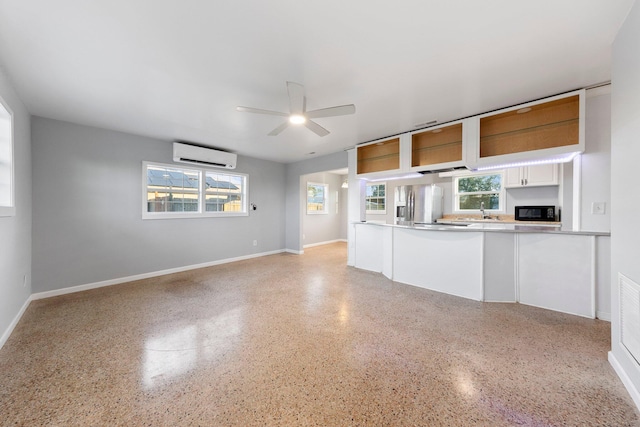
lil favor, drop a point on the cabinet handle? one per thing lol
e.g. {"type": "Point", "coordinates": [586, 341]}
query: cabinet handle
{"type": "Point", "coordinates": [522, 182]}
{"type": "Point", "coordinates": [526, 181]}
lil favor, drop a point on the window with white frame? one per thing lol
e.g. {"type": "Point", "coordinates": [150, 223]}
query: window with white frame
{"type": "Point", "coordinates": [186, 192]}
{"type": "Point", "coordinates": [317, 194]}
{"type": "Point", "coordinates": [473, 191]}
{"type": "Point", "coordinates": [7, 197]}
{"type": "Point", "coordinates": [375, 198]}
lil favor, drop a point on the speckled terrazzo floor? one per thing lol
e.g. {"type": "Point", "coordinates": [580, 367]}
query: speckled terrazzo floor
{"type": "Point", "coordinates": [303, 341]}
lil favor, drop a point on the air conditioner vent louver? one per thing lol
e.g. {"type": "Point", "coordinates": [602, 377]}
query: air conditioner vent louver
{"type": "Point", "coordinates": [194, 154]}
{"type": "Point", "coordinates": [630, 316]}
{"type": "Point", "coordinates": [202, 162]}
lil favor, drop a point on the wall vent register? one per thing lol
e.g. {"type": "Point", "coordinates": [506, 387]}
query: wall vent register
{"type": "Point", "coordinates": [630, 316]}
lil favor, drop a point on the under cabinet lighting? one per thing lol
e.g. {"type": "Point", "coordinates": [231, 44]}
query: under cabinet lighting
{"type": "Point", "coordinates": [391, 178]}
{"type": "Point", "coordinates": [558, 159]}
{"type": "Point", "coordinates": [523, 110]}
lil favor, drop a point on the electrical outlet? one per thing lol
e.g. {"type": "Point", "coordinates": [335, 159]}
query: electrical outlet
{"type": "Point", "coordinates": [598, 208]}
{"type": "Point", "coordinates": [255, 243]}
{"type": "Point", "coordinates": [24, 280]}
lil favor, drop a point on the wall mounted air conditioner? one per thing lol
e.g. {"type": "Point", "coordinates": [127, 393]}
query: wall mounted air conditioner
{"type": "Point", "coordinates": [185, 153]}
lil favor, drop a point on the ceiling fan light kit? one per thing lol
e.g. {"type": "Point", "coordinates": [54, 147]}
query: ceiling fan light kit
{"type": "Point", "coordinates": [298, 115]}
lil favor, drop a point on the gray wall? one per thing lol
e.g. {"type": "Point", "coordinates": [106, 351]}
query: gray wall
{"type": "Point", "coordinates": [293, 213]}
{"type": "Point", "coordinates": [318, 228]}
{"type": "Point", "coordinates": [625, 152]}
{"type": "Point", "coordinates": [15, 231]}
{"type": "Point", "coordinates": [87, 220]}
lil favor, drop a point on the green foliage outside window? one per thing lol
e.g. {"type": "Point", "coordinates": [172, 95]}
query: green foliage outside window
{"type": "Point", "coordinates": [473, 190]}
{"type": "Point", "coordinates": [474, 184]}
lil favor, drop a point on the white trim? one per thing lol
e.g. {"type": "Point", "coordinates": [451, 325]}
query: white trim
{"type": "Point", "coordinates": [516, 268]}
{"type": "Point", "coordinates": [598, 90]}
{"type": "Point", "coordinates": [14, 322]}
{"type": "Point", "coordinates": [577, 193]}
{"type": "Point", "coordinates": [294, 251]}
{"type": "Point", "coordinates": [502, 198]}
{"type": "Point", "coordinates": [376, 212]}
{"type": "Point", "coordinates": [79, 288]}
{"type": "Point", "coordinates": [328, 242]}
{"type": "Point", "coordinates": [202, 212]}
{"type": "Point", "coordinates": [594, 260]}
{"type": "Point", "coordinates": [603, 315]}
{"type": "Point", "coordinates": [10, 210]}
{"type": "Point", "coordinates": [633, 391]}
{"type": "Point", "coordinates": [325, 202]}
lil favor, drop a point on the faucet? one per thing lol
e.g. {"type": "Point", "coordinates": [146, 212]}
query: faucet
{"type": "Point", "coordinates": [483, 216]}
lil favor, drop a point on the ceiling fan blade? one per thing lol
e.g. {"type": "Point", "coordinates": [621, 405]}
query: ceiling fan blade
{"type": "Point", "coordinates": [341, 110]}
{"type": "Point", "coordinates": [279, 129]}
{"type": "Point", "coordinates": [316, 128]}
{"type": "Point", "coordinates": [296, 97]}
{"type": "Point", "coordinates": [260, 111]}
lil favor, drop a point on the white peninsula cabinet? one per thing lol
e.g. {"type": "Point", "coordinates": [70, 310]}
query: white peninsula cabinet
{"type": "Point", "coordinates": [443, 261]}
{"type": "Point", "coordinates": [558, 270]}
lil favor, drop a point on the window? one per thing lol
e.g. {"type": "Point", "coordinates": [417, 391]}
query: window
{"type": "Point", "coordinates": [317, 198]}
{"type": "Point", "coordinates": [375, 198]}
{"type": "Point", "coordinates": [471, 190]}
{"type": "Point", "coordinates": [7, 207]}
{"type": "Point", "coordinates": [177, 192]}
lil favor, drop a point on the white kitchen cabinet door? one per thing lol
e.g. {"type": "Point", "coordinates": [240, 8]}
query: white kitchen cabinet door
{"type": "Point", "coordinates": [513, 178]}
{"type": "Point", "coordinates": [540, 175]}
{"type": "Point", "coordinates": [531, 176]}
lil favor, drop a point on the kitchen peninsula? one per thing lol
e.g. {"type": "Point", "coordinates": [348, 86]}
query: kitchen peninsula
{"type": "Point", "coordinates": [548, 267]}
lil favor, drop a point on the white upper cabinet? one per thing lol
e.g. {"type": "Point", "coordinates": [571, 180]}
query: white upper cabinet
{"type": "Point", "coordinates": [531, 176]}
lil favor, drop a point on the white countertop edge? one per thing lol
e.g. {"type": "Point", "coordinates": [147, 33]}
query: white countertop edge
{"type": "Point", "coordinates": [499, 228]}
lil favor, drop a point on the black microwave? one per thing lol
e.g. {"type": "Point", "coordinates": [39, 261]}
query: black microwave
{"type": "Point", "coordinates": [535, 213]}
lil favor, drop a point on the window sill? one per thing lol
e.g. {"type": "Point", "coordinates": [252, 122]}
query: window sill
{"type": "Point", "coordinates": [6, 211]}
{"type": "Point", "coordinates": [191, 215]}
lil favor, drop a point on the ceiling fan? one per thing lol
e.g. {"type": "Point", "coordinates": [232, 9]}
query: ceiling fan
{"type": "Point", "coordinates": [298, 114]}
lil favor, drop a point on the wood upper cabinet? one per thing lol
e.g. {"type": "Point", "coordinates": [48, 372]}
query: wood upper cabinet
{"type": "Point", "coordinates": [536, 129]}
{"type": "Point", "coordinates": [437, 146]}
{"type": "Point", "coordinates": [551, 128]}
{"type": "Point", "coordinates": [380, 156]}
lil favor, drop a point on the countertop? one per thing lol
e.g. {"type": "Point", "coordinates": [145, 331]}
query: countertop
{"type": "Point", "coordinates": [493, 226]}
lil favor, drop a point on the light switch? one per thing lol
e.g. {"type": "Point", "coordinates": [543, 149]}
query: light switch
{"type": "Point", "coordinates": [597, 208]}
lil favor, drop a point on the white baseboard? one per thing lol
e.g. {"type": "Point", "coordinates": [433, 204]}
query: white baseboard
{"type": "Point", "coordinates": [328, 242]}
{"type": "Point", "coordinates": [79, 288]}
{"type": "Point", "coordinates": [603, 315]}
{"type": "Point", "coordinates": [633, 391]}
{"type": "Point", "coordinates": [293, 251]}
{"type": "Point", "coordinates": [14, 322]}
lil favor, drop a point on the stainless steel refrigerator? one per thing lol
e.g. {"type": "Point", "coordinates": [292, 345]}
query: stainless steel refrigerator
{"type": "Point", "coordinates": [417, 204]}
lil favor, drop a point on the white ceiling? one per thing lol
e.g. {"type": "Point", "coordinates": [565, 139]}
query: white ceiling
{"type": "Point", "coordinates": [176, 70]}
